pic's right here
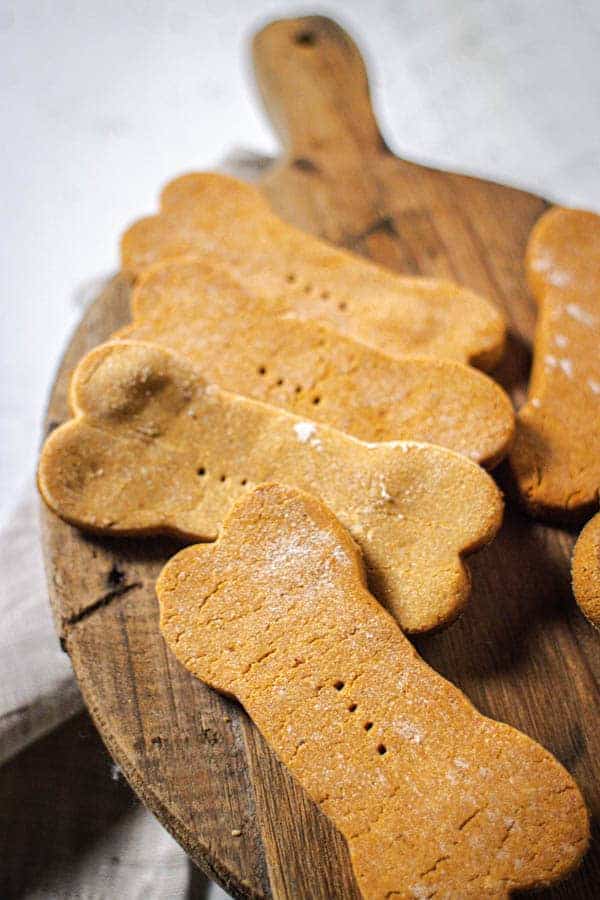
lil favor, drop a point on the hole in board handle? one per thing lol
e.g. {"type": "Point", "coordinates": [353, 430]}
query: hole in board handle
{"type": "Point", "coordinates": [306, 38]}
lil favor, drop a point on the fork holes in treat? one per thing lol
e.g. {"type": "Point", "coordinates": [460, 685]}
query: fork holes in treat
{"type": "Point", "coordinates": [316, 400]}
{"type": "Point", "coordinates": [223, 478]}
{"type": "Point", "coordinates": [298, 389]}
{"type": "Point", "coordinates": [279, 382]}
{"type": "Point", "coordinates": [353, 707]}
{"type": "Point", "coordinates": [262, 370]}
{"type": "Point", "coordinates": [308, 288]}
{"type": "Point", "coordinates": [244, 482]}
{"type": "Point", "coordinates": [201, 471]}
{"type": "Point", "coordinates": [325, 295]}
{"type": "Point", "coordinates": [338, 685]}
{"type": "Point", "coordinates": [342, 306]}
{"type": "Point", "coordinates": [381, 749]}
{"type": "Point", "coordinates": [368, 726]}
{"type": "Point", "coordinates": [290, 278]}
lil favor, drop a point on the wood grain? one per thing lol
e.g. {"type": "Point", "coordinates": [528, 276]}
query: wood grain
{"type": "Point", "coordinates": [522, 651]}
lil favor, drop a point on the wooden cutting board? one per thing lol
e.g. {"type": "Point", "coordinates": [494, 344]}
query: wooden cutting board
{"type": "Point", "coordinates": [521, 652]}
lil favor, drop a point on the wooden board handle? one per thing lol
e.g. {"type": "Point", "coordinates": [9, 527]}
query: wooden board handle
{"type": "Point", "coordinates": [314, 85]}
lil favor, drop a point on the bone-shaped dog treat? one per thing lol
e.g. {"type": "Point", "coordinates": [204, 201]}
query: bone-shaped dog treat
{"type": "Point", "coordinates": [555, 457]}
{"type": "Point", "coordinates": [432, 797]}
{"type": "Point", "coordinates": [198, 309]}
{"type": "Point", "coordinates": [585, 570]}
{"type": "Point", "coordinates": [155, 449]}
{"type": "Point", "coordinates": [207, 214]}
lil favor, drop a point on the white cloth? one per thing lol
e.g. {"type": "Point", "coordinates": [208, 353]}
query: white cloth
{"type": "Point", "coordinates": [37, 688]}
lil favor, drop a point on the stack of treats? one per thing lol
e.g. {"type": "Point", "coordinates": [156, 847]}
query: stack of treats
{"type": "Point", "coordinates": [313, 425]}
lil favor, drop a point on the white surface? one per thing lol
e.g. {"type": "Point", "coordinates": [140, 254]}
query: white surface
{"type": "Point", "coordinates": [104, 101]}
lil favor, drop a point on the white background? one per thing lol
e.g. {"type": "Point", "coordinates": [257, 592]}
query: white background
{"type": "Point", "coordinates": [102, 102]}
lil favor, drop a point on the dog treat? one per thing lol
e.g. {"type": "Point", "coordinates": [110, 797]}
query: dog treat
{"type": "Point", "coordinates": [214, 215]}
{"type": "Point", "coordinates": [153, 448]}
{"type": "Point", "coordinates": [199, 310]}
{"type": "Point", "coordinates": [432, 797]}
{"type": "Point", "coordinates": [555, 456]}
{"type": "Point", "coordinates": [585, 570]}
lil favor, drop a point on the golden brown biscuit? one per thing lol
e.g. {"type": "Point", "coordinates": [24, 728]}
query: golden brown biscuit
{"type": "Point", "coordinates": [156, 449]}
{"type": "Point", "coordinates": [214, 215]}
{"type": "Point", "coordinates": [432, 797]}
{"type": "Point", "coordinates": [585, 570]}
{"type": "Point", "coordinates": [198, 309]}
{"type": "Point", "coordinates": [555, 456]}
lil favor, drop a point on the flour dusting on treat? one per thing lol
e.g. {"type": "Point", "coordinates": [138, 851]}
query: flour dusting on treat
{"type": "Point", "coordinates": [432, 798]}
{"type": "Point", "coordinates": [216, 216]}
{"type": "Point", "coordinates": [555, 459]}
{"type": "Point", "coordinates": [421, 508]}
{"type": "Point", "coordinates": [304, 431]}
{"type": "Point", "coordinates": [581, 315]}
